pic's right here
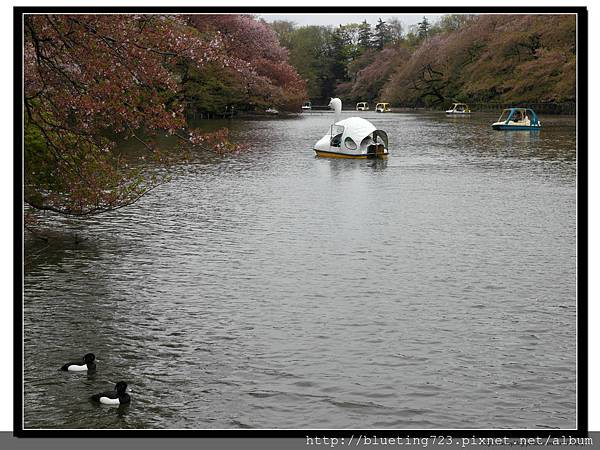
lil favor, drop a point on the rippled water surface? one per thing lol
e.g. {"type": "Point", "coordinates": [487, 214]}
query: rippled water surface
{"type": "Point", "coordinates": [272, 289]}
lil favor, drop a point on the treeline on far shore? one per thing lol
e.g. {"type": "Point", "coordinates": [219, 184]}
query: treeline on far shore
{"type": "Point", "coordinates": [477, 59]}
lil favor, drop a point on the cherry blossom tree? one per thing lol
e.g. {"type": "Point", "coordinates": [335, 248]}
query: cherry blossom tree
{"type": "Point", "coordinates": [261, 64]}
{"type": "Point", "coordinates": [501, 58]}
{"type": "Point", "coordinates": [91, 79]}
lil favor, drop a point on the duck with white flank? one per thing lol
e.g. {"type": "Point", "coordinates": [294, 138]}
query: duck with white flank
{"type": "Point", "coordinates": [351, 138]}
{"type": "Point", "coordinates": [86, 363]}
{"type": "Point", "coordinates": [117, 397]}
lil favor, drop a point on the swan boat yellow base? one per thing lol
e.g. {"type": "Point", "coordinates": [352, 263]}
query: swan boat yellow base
{"type": "Point", "coordinates": [380, 152]}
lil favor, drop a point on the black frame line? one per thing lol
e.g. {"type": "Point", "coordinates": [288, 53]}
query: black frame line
{"type": "Point", "coordinates": [581, 228]}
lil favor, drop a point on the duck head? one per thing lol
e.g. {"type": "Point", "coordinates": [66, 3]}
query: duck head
{"type": "Point", "coordinates": [121, 387]}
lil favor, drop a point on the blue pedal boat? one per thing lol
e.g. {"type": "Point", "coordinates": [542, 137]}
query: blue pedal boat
{"type": "Point", "coordinates": [517, 119]}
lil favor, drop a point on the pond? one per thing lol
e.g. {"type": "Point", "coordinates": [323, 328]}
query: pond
{"type": "Point", "coordinates": [272, 289]}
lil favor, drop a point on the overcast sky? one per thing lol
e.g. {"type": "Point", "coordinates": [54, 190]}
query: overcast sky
{"type": "Point", "coordinates": [339, 19]}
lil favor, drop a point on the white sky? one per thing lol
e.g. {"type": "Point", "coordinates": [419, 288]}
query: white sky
{"type": "Point", "coordinates": [340, 19]}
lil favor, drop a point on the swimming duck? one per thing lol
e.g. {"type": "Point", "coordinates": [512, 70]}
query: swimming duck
{"type": "Point", "coordinates": [117, 397]}
{"type": "Point", "coordinates": [86, 363]}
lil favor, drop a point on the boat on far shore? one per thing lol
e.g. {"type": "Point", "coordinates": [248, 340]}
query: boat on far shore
{"type": "Point", "coordinates": [383, 107]}
{"type": "Point", "coordinates": [459, 108]}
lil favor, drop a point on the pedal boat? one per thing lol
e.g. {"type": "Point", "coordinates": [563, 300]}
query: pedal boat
{"type": "Point", "coordinates": [517, 119]}
{"type": "Point", "coordinates": [459, 108]}
{"type": "Point", "coordinates": [353, 137]}
{"type": "Point", "coordinates": [383, 107]}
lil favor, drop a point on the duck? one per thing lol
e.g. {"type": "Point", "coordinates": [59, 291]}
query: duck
{"type": "Point", "coordinates": [117, 397]}
{"type": "Point", "coordinates": [86, 363]}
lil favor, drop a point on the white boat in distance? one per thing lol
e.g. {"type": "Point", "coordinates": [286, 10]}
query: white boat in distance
{"type": "Point", "coordinates": [459, 108]}
{"type": "Point", "coordinates": [382, 107]}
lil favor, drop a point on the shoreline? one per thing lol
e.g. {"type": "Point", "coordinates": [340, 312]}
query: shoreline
{"type": "Point", "coordinates": [555, 109]}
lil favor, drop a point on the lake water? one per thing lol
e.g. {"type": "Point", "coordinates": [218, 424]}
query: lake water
{"type": "Point", "coordinates": [273, 289]}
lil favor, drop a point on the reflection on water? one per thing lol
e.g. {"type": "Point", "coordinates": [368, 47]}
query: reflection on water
{"type": "Point", "coordinates": [273, 289]}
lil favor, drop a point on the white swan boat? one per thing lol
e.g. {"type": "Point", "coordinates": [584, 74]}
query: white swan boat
{"type": "Point", "coordinates": [353, 137]}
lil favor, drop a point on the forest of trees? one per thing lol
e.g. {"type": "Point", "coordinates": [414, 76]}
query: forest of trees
{"type": "Point", "coordinates": [328, 57]}
{"type": "Point", "coordinates": [471, 58]}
